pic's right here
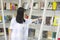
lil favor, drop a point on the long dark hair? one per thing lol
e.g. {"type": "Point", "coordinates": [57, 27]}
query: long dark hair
{"type": "Point", "coordinates": [20, 15]}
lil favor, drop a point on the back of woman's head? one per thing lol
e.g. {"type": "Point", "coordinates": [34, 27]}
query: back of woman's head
{"type": "Point", "coordinates": [20, 15]}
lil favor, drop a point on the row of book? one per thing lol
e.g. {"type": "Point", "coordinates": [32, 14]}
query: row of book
{"type": "Point", "coordinates": [2, 30]}
{"type": "Point", "coordinates": [10, 6]}
{"type": "Point", "coordinates": [50, 35]}
{"type": "Point", "coordinates": [48, 20]}
{"type": "Point", "coordinates": [13, 6]}
{"type": "Point", "coordinates": [51, 5]}
{"type": "Point", "coordinates": [55, 20]}
{"type": "Point", "coordinates": [38, 21]}
{"type": "Point", "coordinates": [45, 34]}
{"type": "Point", "coordinates": [31, 33]}
{"type": "Point", "coordinates": [26, 5]}
{"type": "Point", "coordinates": [7, 18]}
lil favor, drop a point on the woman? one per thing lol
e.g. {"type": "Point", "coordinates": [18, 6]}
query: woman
{"type": "Point", "coordinates": [18, 29]}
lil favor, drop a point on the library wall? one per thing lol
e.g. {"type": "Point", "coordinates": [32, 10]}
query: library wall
{"type": "Point", "coordinates": [36, 12]}
{"type": "Point", "coordinates": [49, 13]}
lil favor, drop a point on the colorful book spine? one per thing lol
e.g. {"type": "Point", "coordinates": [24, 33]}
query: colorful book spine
{"type": "Point", "coordinates": [53, 34]}
{"type": "Point", "coordinates": [58, 38]}
{"type": "Point", "coordinates": [49, 35]}
{"type": "Point", "coordinates": [54, 5]}
{"type": "Point", "coordinates": [10, 6]}
{"type": "Point", "coordinates": [0, 18]}
{"type": "Point", "coordinates": [13, 7]}
{"type": "Point", "coordinates": [55, 22]}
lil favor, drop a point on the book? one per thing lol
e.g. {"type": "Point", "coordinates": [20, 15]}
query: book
{"type": "Point", "coordinates": [34, 17]}
{"type": "Point", "coordinates": [58, 5]}
{"type": "Point", "coordinates": [58, 38]}
{"type": "Point", "coordinates": [53, 34]}
{"type": "Point", "coordinates": [0, 18]}
{"type": "Point", "coordinates": [7, 31]}
{"type": "Point", "coordinates": [41, 5]}
{"type": "Point", "coordinates": [31, 32]}
{"type": "Point", "coordinates": [35, 5]}
{"type": "Point", "coordinates": [1, 30]}
{"type": "Point", "coordinates": [39, 19]}
{"type": "Point", "coordinates": [8, 6]}
{"type": "Point", "coordinates": [7, 18]}
{"type": "Point", "coordinates": [55, 20]}
{"type": "Point", "coordinates": [44, 34]}
{"type": "Point", "coordinates": [49, 4]}
{"type": "Point", "coordinates": [4, 6]}
{"type": "Point", "coordinates": [48, 20]}
{"type": "Point", "coordinates": [54, 5]}
{"type": "Point", "coordinates": [13, 7]}
{"type": "Point", "coordinates": [49, 35]}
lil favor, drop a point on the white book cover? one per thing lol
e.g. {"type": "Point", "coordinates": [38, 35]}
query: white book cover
{"type": "Point", "coordinates": [8, 6]}
{"type": "Point", "coordinates": [59, 35]}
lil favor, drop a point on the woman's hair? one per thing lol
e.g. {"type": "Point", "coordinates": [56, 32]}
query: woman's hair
{"type": "Point", "coordinates": [20, 15]}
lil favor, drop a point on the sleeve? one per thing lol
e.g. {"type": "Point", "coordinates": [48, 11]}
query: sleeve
{"type": "Point", "coordinates": [29, 21]}
{"type": "Point", "coordinates": [11, 23]}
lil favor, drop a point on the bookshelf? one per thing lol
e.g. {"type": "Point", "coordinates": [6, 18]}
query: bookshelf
{"type": "Point", "coordinates": [35, 10]}
{"type": "Point", "coordinates": [2, 24]}
{"type": "Point", "coordinates": [51, 13]}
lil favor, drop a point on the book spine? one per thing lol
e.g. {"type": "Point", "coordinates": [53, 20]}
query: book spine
{"type": "Point", "coordinates": [10, 6]}
{"type": "Point", "coordinates": [49, 35]}
{"type": "Point", "coordinates": [45, 34]}
{"type": "Point", "coordinates": [0, 18]}
{"type": "Point", "coordinates": [53, 34]}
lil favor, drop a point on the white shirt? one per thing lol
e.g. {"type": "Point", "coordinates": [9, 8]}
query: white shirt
{"type": "Point", "coordinates": [19, 31]}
